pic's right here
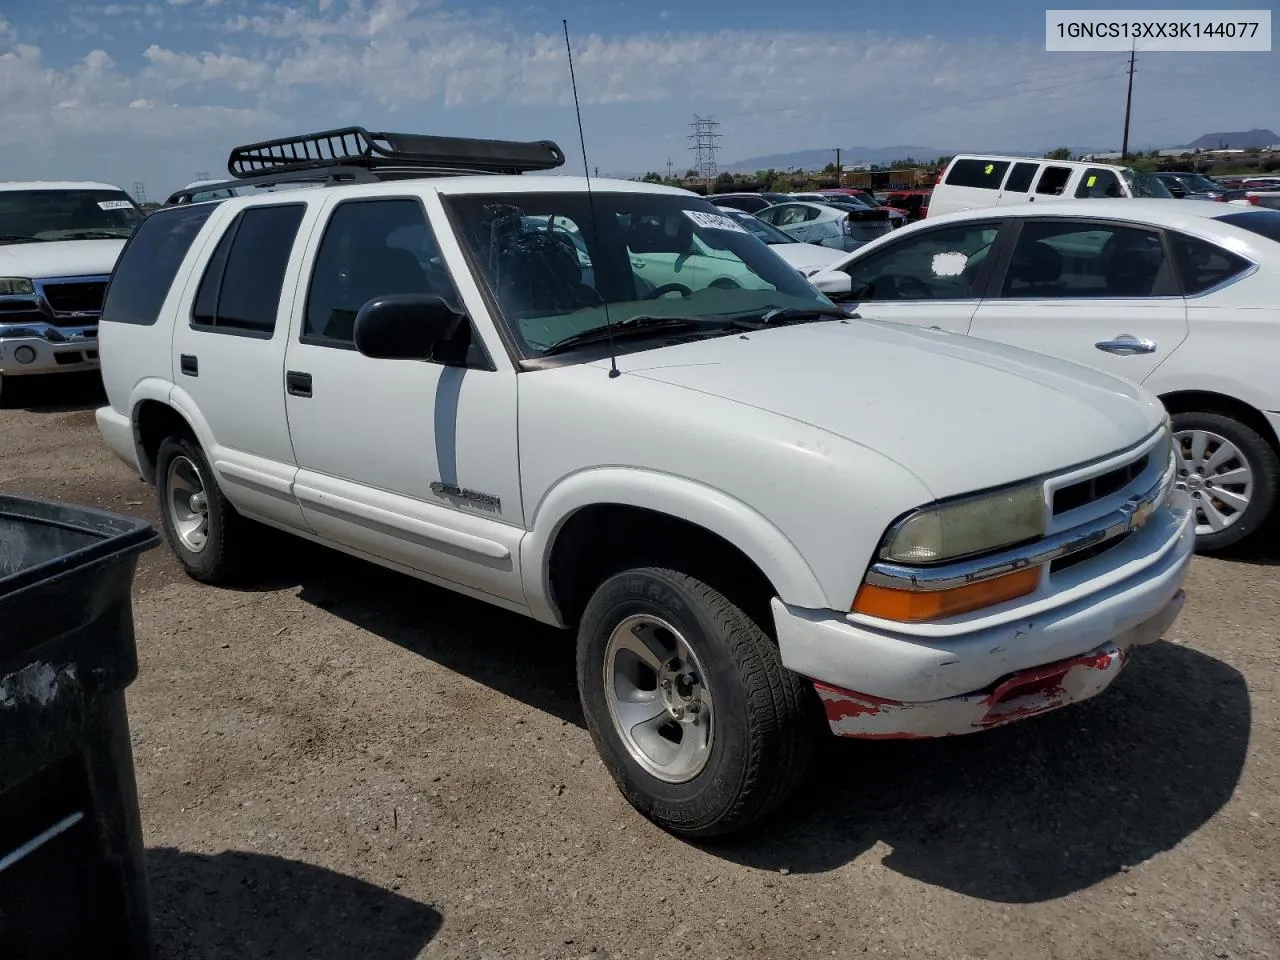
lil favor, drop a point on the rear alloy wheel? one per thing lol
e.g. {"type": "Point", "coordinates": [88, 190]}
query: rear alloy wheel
{"type": "Point", "coordinates": [203, 528]}
{"type": "Point", "coordinates": [702, 728]}
{"type": "Point", "coordinates": [1231, 473]}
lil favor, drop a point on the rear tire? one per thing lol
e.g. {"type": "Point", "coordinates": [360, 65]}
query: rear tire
{"type": "Point", "coordinates": [1232, 473]}
{"type": "Point", "coordinates": [206, 534]}
{"type": "Point", "coordinates": [749, 737]}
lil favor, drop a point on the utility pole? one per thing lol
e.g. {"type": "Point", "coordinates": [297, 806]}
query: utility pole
{"type": "Point", "coordinates": [668, 168]}
{"type": "Point", "coordinates": [1128, 102]}
{"type": "Point", "coordinates": [704, 139]}
{"type": "Point", "coordinates": [839, 170]}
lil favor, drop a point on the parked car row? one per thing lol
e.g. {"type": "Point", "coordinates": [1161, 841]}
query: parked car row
{"type": "Point", "coordinates": [753, 509]}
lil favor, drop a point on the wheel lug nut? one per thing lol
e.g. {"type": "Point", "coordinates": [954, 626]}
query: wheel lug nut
{"type": "Point", "coordinates": [677, 712]}
{"type": "Point", "coordinates": [695, 708]}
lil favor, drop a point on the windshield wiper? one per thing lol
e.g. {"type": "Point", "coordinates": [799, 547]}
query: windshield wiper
{"type": "Point", "coordinates": [780, 315]}
{"type": "Point", "coordinates": [639, 326]}
{"type": "Point", "coordinates": [91, 235]}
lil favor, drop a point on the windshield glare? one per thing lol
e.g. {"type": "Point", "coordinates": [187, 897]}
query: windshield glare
{"type": "Point", "coordinates": [32, 215]}
{"type": "Point", "coordinates": [654, 255]}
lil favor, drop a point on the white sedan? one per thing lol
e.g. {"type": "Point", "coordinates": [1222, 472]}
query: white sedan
{"type": "Point", "coordinates": [808, 258]}
{"type": "Point", "coordinates": [1183, 298]}
{"type": "Point", "coordinates": [830, 224]}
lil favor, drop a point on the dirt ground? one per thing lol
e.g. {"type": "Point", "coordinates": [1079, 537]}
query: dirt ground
{"type": "Point", "coordinates": [346, 763]}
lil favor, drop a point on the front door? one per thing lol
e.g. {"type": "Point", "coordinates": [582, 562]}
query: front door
{"type": "Point", "coordinates": [931, 278]}
{"type": "Point", "coordinates": [411, 461]}
{"type": "Point", "coordinates": [1099, 293]}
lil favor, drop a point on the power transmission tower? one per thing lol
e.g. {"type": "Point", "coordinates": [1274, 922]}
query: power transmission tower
{"type": "Point", "coordinates": [704, 146]}
{"type": "Point", "coordinates": [139, 192]}
{"type": "Point", "coordinates": [1128, 102]}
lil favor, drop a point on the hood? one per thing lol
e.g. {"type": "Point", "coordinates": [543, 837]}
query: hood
{"type": "Point", "coordinates": [807, 256]}
{"type": "Point", "coordinates": [961, 414]}
{"type": "Point", "coordinates": [59, 258]}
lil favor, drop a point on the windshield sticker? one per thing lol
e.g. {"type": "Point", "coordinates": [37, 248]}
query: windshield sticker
{"type": "Point", "coordinates": [1091, 181]}
{"type": "Point", "coordinates": [988, 168]}
{"type": "Point", "coordinates": [114, 205]}
{"type": "Point", "coordinates": [714, 221]}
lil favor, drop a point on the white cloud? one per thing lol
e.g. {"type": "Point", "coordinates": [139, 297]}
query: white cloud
{"type": "Point", "coordinates": [280, 68]}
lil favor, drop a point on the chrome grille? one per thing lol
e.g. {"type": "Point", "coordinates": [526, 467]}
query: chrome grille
{"type": "Point", "coordinates": [1092, 489]}
{"type": "Point", "coordinates": [76, 297]}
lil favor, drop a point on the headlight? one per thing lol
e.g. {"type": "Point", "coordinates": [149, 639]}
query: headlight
{"type": "Point", "coordinates": [16, 286]}
{"type": "Point", "coordinates": [969, 526]}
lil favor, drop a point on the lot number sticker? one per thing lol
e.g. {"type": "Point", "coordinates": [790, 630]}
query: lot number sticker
{"type": "Point", "coordinates": [714, 221]}
{"type": "Point", "coordinates": [114, 205]}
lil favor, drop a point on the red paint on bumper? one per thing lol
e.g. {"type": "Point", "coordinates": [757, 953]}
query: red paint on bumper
{"type": "Point", "coordinates": [1022, 695]}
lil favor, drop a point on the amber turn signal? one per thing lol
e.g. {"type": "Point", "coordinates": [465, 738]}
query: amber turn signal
{"type": "Point", "coordinates": [915, 606]}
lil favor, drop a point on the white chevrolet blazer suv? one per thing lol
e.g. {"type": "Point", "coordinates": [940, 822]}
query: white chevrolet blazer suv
{"type": "Point", "coordinates": [752, 511]}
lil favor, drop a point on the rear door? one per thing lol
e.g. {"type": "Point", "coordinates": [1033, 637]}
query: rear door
{"type": "Point", "coordinates": [1053, 183]}
{"type": "Point", "coordinates": [970, 183]}
{"type": "Point", "coordinates": [1017, 186]}
{"type": "Point", "coordinates": [228, 354]}
{"type": "Point", "coordinates": [1100, 182]}
{"type": "Point", "coordinates": [1102, 293]}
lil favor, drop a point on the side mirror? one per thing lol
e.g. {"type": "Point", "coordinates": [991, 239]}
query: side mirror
{"type": "Point", "coordinates": [405, 326]}
{"type": "Point", "coordinates": [836, 284]}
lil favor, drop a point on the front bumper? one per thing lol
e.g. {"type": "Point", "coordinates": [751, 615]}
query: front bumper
{"type": "Point", "coordinates": [906, 682]}
{"type": "Point", "coordinates": [24, 350]}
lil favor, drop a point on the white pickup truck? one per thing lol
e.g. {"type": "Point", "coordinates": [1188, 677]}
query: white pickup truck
{"type": "Point", "coordinates": [761, 513]}
{"type": "Point", "coordinates": [58, 244]}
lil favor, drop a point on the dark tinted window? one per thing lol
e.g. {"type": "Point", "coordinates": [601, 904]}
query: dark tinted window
{"type": "Point", "coordinates": [1021, 177]}
{"type": "Point", "coordinates": [148, 264]}
{"type": "Point", "coordinates": [1265, 223]}
{"type": "Point", "coordinates": [1202, 265]}
{"type": "Point", "coordinates": [1098, 182]}
{"type": "Point", "coordinates": [1078, 259]}
{"type": "Point", "coordinates": [986, 174]}
{"type": "Point", "coordinates": [241, 286]}
{"type": "Point", "coordinates": [941, 264]}
{"type": "Point", "coordinates": [370, 248]}
{"type": "Point", "coordinates": [1053, 181]}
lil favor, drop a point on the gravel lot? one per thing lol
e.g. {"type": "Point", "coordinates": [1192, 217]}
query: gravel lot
{"type": "Point", "coordinates": [348, 763]}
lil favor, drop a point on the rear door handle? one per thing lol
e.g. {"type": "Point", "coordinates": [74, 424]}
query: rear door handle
{"type": "Point", "coordinates": [1126, 345]}
{"type": "Point", "coordinates": [189, 365]}
{"type": "Point", "coordinates": [297, 383]}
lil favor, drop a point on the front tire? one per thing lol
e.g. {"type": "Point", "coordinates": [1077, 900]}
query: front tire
{"type": "Point", "coordinates": [202, 527]}
{"type": "Point", "coordinates": [1232, 473]}
{"type": "Point", "coordinates": [702, 728]}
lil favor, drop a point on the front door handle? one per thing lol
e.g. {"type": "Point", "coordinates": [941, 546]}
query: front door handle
{"type": "Point", "coordinates": [189, 365]}
{"type": "Point", "coordinates": [297, 383]}
{"type": "Point", "coordinates": [1126, 345]}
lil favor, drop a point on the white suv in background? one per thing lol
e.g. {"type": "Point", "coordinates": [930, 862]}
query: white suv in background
{"type": "Point", "coordinates": [726, 491]}
{"type": "Point", "coordinates": [58, 245]}
{"type": "Point", "coordinates": [972, 182]}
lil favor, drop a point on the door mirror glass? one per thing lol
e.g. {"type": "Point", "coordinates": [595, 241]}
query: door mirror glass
{"type": "Point", "coordinates": [405, 326]}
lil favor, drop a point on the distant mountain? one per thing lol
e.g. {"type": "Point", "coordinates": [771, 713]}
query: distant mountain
{"type": "Point", "coordinates": [1239, 140]}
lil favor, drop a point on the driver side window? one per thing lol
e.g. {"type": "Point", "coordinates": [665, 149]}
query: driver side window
{"type": "Point", "coordinates": [936, 265]}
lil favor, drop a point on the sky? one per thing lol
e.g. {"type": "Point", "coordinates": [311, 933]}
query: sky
{"type": "Point", "coordinates": [157, 91]}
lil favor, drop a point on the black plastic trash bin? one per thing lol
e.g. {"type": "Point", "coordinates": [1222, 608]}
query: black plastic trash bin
{"type": "Point", "coordinates": [72, 881]}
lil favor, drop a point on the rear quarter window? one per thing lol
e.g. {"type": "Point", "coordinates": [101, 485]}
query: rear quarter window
{"type": "Point", "coordinates": [1203, 265]}
{"type": "Point", "coordinates": [148, 264]}
{"type": "Point", "coordinates": [984, 174]}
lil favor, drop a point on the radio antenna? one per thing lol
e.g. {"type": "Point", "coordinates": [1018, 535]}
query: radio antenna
{"type": "Point", "coordinates": [591, 203]}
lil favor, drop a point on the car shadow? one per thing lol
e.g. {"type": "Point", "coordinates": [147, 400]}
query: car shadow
{"type": "Point", "coordinates": [1036, 810]}
{"type": "Point", "coordinates": [251, 906]}
{"type": "Point", "coordinates": [54, 393]}
{"type": "Point", "coordinates": [1025, 813]}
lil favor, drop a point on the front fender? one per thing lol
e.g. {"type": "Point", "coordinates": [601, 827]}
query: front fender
{"type": "Point", "coordinates": [715, 511]}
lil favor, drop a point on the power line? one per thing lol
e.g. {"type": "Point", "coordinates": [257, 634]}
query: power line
{"type": "Point", "coordinates": [704, 146]}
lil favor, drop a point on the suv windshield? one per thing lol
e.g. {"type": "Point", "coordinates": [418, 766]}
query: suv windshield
{"type": "Point", "coordinates": [1199, 183]}
{"type": "Point", "coordinates": [28, 216]}
{"type": "Point", "coordinates": [1145, 184]}
{"type": "Point", "coordinates": [765, 231]}
{"type": "Point", "coordinates": [655, 257]}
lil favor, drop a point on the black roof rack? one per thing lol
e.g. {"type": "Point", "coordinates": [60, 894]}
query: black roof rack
{"type": "Point", "coordinates": [354, 155]}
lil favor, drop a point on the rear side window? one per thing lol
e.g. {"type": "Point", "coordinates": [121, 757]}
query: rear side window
{"type": "Point", "coordinates": [1020, 179]}
{"type": "Point", "coordinates": [148, 264]}
{"type": "Point", "coordinates": [1203, 265]}
{"type": "Point", "coordinates": [240, 290]}
{"type": "Point", "coordinates": [984, 174]}
{"type": "Point", "coordinates": [1053, 181]}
